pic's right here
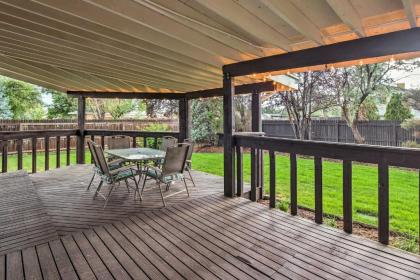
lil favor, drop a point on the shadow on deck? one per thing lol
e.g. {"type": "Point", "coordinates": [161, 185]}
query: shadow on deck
{"type": "Point", "coordinates": [205, 237]}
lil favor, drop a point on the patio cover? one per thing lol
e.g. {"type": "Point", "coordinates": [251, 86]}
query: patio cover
{"type": "Point", "coordinates": [174, 46]}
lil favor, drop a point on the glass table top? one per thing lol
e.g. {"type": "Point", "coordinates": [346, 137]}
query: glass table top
{"type": "Point", "coordinates": [137, 154]}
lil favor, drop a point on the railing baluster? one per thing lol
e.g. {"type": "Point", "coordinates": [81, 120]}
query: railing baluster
{"type": "Point", "coordinates": [34, 140]}
{"type": "Point", "coordinates": [134, 142]}
{"type": "Point", "coordinates": [261, 173]}
{"type": "Point", "coordinates": [239, 172]}
{"type": "Point", "coordinates": [19, 154]}
{"type": "Point", "coordinates": [272, 179]}
{"type": "Point", "coordinates": [68, 149]}
{"type": "Point", "coordinates": [144, 142]}
{"type": "Point", "coordinates": [155, 143]}
{"type": "Point", "coordinates": [47, 152]}
{"type": "Point", "coordinates": [4, 156]}
{"type": "Point", "coordinates": [383, 203]}
{"type": "Point", "coordinates": [57, 152]}
{"type": "Point", "coordinates": [293, 184]}
{"type": "Point", "coordinates": [318, 190]}
{"type": "Point", "coordinates": [347, 196]}
{"type": "Point", "coordinates": [103, 142]}
{"type": "Point", "coordinates": [254, 176]}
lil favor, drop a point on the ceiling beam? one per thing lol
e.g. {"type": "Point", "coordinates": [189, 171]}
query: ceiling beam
{"type": "Point", "coordinates": [348, 14]}
{"type": "Point", "coordinates": [410, 11]}
{"type": "Point", "coordinates": [295, 18]}
{"type": "Point", "coordinates": [398, 42]}
{"type": "Point", "coordinates": [126, 95]}
{"type": "Point", "coordinates": [241, 89]}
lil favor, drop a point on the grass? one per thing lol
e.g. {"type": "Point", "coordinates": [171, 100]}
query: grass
{"type": "Point", "coordinates": [404, 188]}
{"type": "Point", "coordinates": [404, 205]}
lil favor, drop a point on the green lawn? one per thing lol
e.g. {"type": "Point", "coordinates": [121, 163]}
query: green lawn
{"type": "Point", "coordinates": [404, 191]}
{"type": "Point", "coordinates": [404, 188]}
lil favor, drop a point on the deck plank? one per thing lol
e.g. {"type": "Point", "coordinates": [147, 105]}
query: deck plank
{"type": "Point", "coordinates": [80, 264]}
{"type": "Point", "coordinates": [14, 269]}
{"type": "Point", "coordinates": [31, 264]}
{"type": "Point", "coordinates": [64, 265]}
{"type": "Point", "coordinates": [46, 260]}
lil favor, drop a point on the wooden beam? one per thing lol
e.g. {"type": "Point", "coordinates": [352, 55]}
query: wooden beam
{"type": "Point", "coordinates": [241, 89]}
{"type": "Point", "coordinates": [184, 116]}
{"type": "Point", "coordinates": [81, 117]}
{"type": "Point", "coordinates": [375, 46]}
{"type": "Point", "coordinates": [126, 95]}
{"type": "Point", "coordinates": [228, 127]}
{"type": "Point", "coordinates": [348, 14]}
{"type": "Point", "coordinates": [410, 11]}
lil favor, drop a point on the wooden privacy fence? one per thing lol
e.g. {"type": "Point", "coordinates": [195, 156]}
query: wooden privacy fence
{"type": "Point", "coordinates": [383, 133]}
{"type": "Point", "coordinates": [42, 125]}
{"type": "Point", "coordinates": [383, 157]}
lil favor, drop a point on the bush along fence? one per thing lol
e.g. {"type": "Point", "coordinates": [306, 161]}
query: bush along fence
{"type": "Point", "coordinates": [383, 133]}
{"type": "Point", "coordinates": [169, 125]}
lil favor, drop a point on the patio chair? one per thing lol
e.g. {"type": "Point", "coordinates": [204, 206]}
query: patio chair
{"type": "Point", "coordinates": [119, 142]}
{"type": "Point", "coordinates": [188, 162]}
{"type": "Point", "coordinates": [168, 141]}
{"type": "Point", "coordinates": [112, 164]}
{"type": "Point", "coordinates": [172, 169]}
{"type": "Point", "coordinates": [113, 176]}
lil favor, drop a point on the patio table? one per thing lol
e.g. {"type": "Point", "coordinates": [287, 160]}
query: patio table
{"type": "Point", "coordinates": [137, 156]}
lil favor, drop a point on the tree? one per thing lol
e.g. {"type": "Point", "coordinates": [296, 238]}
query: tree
{"type": "Point", "coordinates": [396, 110]}
{"type": "Point", "coordinates": [207, 119]}
{"type": "Point", "coordinates": [243, 113]}
{"type": "Point", "coordinates": [353, 86]}
{"type": "Point", "coordinates": [5, 112]}
{"type": "Point", "coordinates": [115, 107]}
{"type": "Point", "coordinates": [62, 105]}
{"type": "Point", "coordinates": [155, 107]}
{"type": "Point", "coordinates": [312, 95]}
{"type": "Point", "coordinates": [412, 98]}
{"type": "Point", "coordinates": [24, 99]}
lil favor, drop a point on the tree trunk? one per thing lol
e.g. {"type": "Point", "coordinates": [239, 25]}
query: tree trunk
{"type": "Point", "coordinates": [358, 138]}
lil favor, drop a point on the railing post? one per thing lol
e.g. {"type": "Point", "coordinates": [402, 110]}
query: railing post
{"type": "Point", "coordinates": [318, 190]}
{"type": "Point", "coordinates": [293, 184]}
{"type": "Point", "coordinates": [68, 149]}
{"type": "Point", "coordinates": [4, 145]}
{"type": "Point", "coordinates": [272, 179]}
{"type": "Point", "coordinates": [256, 126]}
{"type": "Point", "coordinates": [383, 203]}
{"type": "Point", "coordinates": [239, 172]}
{"type": "Point", "coordinates": [81, 112]}
{"type": "Point", "coordinates": [34, 140]}
{"type": "Point", "coordinates": [228, 126]}
{"type": "Point", "coordinates": [57, 152]}
{"type": "Point", "coordinates": [47, 152]}
{"type": "Point", "coordinates": [254, 174]}
{"type": "Point", "coordinates": [184, 116]}
{"type": "Point", "coordinates": [19, 154]}
{"type": "Point", "coordinates": [347, 196]}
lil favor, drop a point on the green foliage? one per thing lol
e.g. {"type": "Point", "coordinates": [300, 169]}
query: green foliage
{"type": "Point", "coordinates": [283, 205]}
{"type": "Point", "coordinates": [331, 222]}
{"type": "Point", "coordinates": [396, 110]}
{"type": "Point", "coordinates": [119, 107]}
{"type": "Point", "coordinates": [407, 243]}
{"type": "Point", "coordinates": [61, 106]}
{"type": "Point", "coordinates": [207, 119]}
{"type": "Point", "coordinates": [156, 127]}
{"type": "Point", "coordinates": [5, 112]}
{"type": "Point", "coordinates": [24, 99]}
{"type": "Point", "coordinates": [369, 110]}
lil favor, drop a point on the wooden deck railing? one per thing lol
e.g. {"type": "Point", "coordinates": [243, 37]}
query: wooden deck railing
{"type": "Point", "coordinates": [149, 139]}
{"type": "Point", "coordinates": [383, 157]}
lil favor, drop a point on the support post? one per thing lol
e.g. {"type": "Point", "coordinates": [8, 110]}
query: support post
{"type": "Point", "coordinates": [228, 125]}
{"type": "Point", "coordinates": [81, 114]}
{"type": "Point", "coordinates": [184, 117]}
{"type": "Point", "coordinates": [256, 126]}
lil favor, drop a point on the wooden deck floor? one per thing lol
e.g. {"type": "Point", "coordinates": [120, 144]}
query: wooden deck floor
{"type": "Point", "coordinates": [205, 237]}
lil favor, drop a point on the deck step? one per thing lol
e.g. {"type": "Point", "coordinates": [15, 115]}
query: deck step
{"type": "Point", "coordinates": [24, 221]}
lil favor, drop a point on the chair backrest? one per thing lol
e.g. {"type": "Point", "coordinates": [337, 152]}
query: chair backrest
{"type": "Point", "coordinates": [175, 159]}
{"type": "Point", "coordinates": [93, 153]}
{"type": "Point", "coordinates": [168, 141]}
{"type": "Point", "coordinates": [100, 156]}
{"type": "Point", "coordinates": [118, 142]}
{"type": "Point", "coordinates": [191, 149]}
